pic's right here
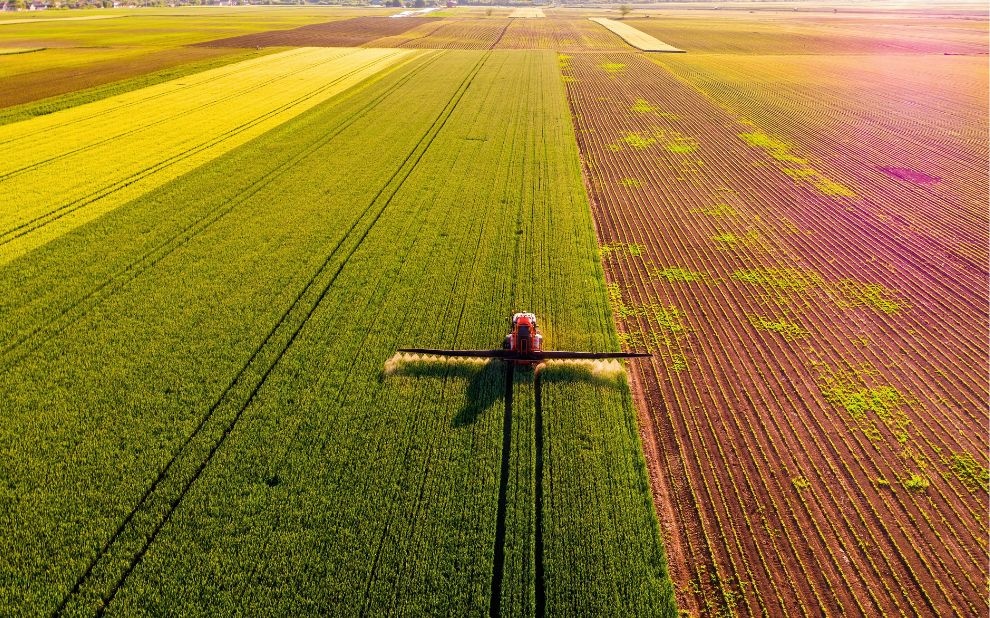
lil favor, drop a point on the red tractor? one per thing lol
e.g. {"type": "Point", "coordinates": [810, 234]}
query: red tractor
{"type": "Point", "coordinates": [524, 339]}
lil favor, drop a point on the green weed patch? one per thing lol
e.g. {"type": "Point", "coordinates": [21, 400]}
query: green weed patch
{"type": "Point", "coordinates": [676, 274]}
{"type": "Point", "coordinates": [788, 330]}
{"type": "Point", "coordinates": [972, 473]}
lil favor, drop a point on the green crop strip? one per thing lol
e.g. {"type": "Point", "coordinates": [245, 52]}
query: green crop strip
{"type": "Point", "coordinates": [564, 64]}
{"type": "Point", "coordinates": [733, 241]}
{"type": "Point", "coordinates": [613, 68]}
{"type": "Point", "coordinates": [855, 293]}
{"type": "Point", "coordinates": [237, 435]}
{"type": "Point", "coordinates": [727, 238]}
{"type": "Point", "coordinates": [846, 293]}
{"type": "Point", "coordinates": [779, 278]}
{"type": "Point", "coordinates": [639, 141]}
{"type": "Point", "coordinates": [681, 144]}
{"type": "Point", "coordinates": [665, 332]}
{"type": "Point", "coordinates": [619, 307]}
{"type": "Point", "coordinates": [917, 483]}
{"type": "Point", "coordinates": [672, 141]}
{"type": "Point", "coordinates": [642, 107]}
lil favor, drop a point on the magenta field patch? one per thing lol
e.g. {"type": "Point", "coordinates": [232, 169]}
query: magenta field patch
{"type": "Point", "coordinates": [910, 175]}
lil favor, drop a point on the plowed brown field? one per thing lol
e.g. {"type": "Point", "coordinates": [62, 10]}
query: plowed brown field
{"type": "Point", "coordinates": [818, 33]}
{"type": "Point", "coordinates": [342, 33]}
{"type": "Point", "coordinates": [567, 35]}
{"type": "Point", "coordinates": [802, 244]}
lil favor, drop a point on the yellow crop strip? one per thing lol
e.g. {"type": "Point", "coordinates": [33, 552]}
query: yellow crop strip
{"type": "Point", "coordinates": [70, 167]}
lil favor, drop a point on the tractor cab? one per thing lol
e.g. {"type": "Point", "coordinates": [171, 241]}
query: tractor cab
{"type": "Point", "coordinates": [525, 337]}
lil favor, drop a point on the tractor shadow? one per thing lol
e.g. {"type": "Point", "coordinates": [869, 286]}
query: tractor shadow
{"type": "Point", "coordinates": [491, 381]}
{"type": "Point", "coordinates": [486, 382]}
{"type": "Point", "coordinates": [485, 387]}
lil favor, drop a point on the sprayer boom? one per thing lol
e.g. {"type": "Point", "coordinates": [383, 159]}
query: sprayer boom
{"type": "Point", "coordinates": [509, 355]}
{"type": "Point", "coordinates": [524, 346]}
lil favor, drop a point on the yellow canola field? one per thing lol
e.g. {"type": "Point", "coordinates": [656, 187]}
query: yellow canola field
{"type": "Point", "coordinates": [70, 167]}
{"type": "Point", "coordinates": [636, 38]}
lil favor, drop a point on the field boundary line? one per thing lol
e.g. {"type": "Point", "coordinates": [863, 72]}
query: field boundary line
{"type": "Point", "coordinates": [500, 35]}
{"type": "Point", "coordinates": [635, 37]}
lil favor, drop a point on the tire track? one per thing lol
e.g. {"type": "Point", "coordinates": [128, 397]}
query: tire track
{"type": "Point", "coordinates": [498, 568]}
{"type": "Point", "coordinates": [541, 591]}
{"type": "Point", "coordinates": [278, 340]}
{"type": "Point", "coordinates": [500, 35]}
{"type": "Point", "coordinates": [370, 309]}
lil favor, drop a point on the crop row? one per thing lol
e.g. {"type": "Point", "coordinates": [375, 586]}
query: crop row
{"type": "Point", "coordinates": [933, 245]}
{"type": "Point", "coordinates": [151, 392]}
{"type": "Point", "coordinates": [774, 507]}
{"type": "Point", "coordinates": [225, 409]}
{"type": "Point", "coordinates": [182, 124]}
{"type": "Point", "coordinates": [941, 101]}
